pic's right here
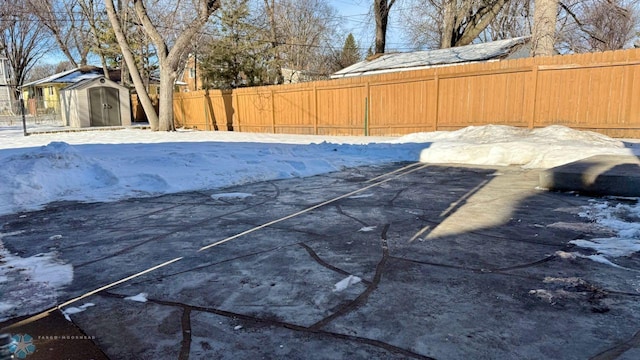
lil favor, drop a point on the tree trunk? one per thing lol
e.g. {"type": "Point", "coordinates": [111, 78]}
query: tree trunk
{"type": "Point", "coordinates": [143, 95]}
{"type": "Point", "coordinates": [448, 24]}
{"type": "Point", "coordinates": [170, 59]}
{"type": "Point", "coordinates": [381, 12]}
{"type": "Point", "coordinates": [481, 19]}
{"type": "Point", "coordinates": [543, 38]}
{"type": "Point", "coordinates": [464, 22]}
{"type": "Point", "coordinates": [165, 120]}
{"type": "Point", "coordinates": [124, 68]}
{"type": "Point", "coordinates": [271, 11]}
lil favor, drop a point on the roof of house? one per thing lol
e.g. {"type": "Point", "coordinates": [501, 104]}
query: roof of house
{"type": "Point", "coordinates": [417, 60]}
{"type": "Point", "coordinates": [74, 75]}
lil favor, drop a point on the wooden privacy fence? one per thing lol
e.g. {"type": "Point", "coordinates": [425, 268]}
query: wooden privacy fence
{"type": "Point", "coordinates": [596, 91]}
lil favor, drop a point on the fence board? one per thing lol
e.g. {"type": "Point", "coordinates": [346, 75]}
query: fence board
{"type": "Point", "coordinates": [402, 107]}
{"type": "Point", "coordinates": [293, 111]}
{"type": "Point", "coordinates": [341, 110]}
{"type": "Point", "coordinates": [220, 105]}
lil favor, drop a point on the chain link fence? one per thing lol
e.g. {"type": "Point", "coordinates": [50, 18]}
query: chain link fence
{"type": "Point", "coordinates": [37, 112]}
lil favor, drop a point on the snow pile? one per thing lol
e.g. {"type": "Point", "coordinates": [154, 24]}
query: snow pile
{"type": "Point", "coordinates": [113, 165]}
{"type": "Point", "coordinates": [236, 195]}
{"type": "Point", "coordinates": [67, 312]}
{"type": "Point", "coordinates": [29, 284]}
{"type": "Point", "coordinates": [623, 220]}
{"type": "Point", "coordinates": [346, 282]}
{"type": "Point", "coordinates": [505, 145]}
{"type": "Point", "coordinates": [367, 228]}
{"type": "Point", "coordinates": [142, 297]}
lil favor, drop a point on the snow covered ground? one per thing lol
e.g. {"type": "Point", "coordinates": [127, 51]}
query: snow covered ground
{"type": "Point", "coordinates": [97, 166]}
{"type": "Point", "coordinates": [118, 164]}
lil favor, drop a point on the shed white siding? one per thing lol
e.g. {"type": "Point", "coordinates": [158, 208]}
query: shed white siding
{"type": "Point", "coordinates": [76, 106]}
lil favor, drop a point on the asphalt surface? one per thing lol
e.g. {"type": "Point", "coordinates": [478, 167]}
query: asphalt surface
{"type": "Point", "coordinates": [453, 262]}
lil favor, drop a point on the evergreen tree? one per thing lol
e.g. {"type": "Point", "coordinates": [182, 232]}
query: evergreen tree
{"type": "Point", "coordinates": [369, 52]}
{"type": "Point", "coordinates": [350, 52]}
{"type": "Point", "coordinates": [237, 56]}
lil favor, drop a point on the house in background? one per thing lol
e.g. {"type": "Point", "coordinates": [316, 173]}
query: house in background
{"type": "Point", "coordinates": [292, 76]}
{"type": "Point", "coordinates": [191, 78]}
{"type": "Point", "coordinates": [7, 106]}
{"type": "Point", "coordinates": [43, 96]}
{"type": "Point", "coordinates": [418, 60]}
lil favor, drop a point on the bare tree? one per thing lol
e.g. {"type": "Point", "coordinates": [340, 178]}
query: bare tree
{"type": "Point", "coordinates": [22, 40]}
{"type": "Point", "coordinates": [597, 25]}
{"type": "Point", "coordinates": [41, 71]}
{"type": "Point", "coordinates": [304, 31]}
{"type": "Point", "coordinates": [464, 21]}
{"type": "Point", "coordinates": [68, 25]}
{"type": "Point", "coordinates": [381, 10]}
{"type": "Point", "coordinates": [451, 23]}
{"type": "Point", "coordinates": [270, 9]}
{"type": "Point", "coordinates": [169, 51]}
{"type": "Point", "coordinates": [91, 11]}
{"type": "Point", "coordinates": [423, 21]}
{"type": "Point", "coordinates": [577, 26]}
{"type": "Point", "coordinates": [515, 20]}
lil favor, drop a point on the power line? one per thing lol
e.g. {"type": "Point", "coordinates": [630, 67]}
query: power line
{"type": "Point", "coordinates": [362, 19]}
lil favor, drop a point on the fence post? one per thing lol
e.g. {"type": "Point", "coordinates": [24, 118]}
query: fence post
{"type": "Point", "coordinates": [236, 113]}
{"type": "Point", "coordinates": [366, 107]}
{"type": "Point", "coordinates": [273, 112]}
{"type": "Point", "coordinates": [436, 111]}
{"type": "Point", "coordinates": [182, 112]}
{"type": "Point", "coordinates": [315, 108]}
{"type": "Point", "coordinates": [24, 120]}
{"type": "Point", "coordinates": [207, 126]}
{"type": "Point", "coordinates": [534, 95]}
{"type": "Point", "coordinates": [366, 116]}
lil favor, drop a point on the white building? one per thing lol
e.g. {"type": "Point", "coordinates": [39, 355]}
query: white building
{"type": "Point", "coordinates": [6, 90]}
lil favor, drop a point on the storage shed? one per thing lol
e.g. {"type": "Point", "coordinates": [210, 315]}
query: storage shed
{"type": "Point", "coordinates": [95, 102]}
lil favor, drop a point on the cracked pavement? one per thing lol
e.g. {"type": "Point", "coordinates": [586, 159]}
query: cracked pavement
{"type": "Point", "coordinates": [455, 262]}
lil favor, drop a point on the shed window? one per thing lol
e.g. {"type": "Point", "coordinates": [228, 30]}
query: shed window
{"type": "Point", "coordinates": [50, 90]}
{"type": "Point", "coordinates": [192, 73]}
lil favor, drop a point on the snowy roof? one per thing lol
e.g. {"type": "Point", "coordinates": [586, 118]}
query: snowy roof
{"type": "Point", "coordinates": [86, 82]}
{"type": "Point", "coordinates": [394, 62]}
{"type": "Point", "coordinates": [70, 76]}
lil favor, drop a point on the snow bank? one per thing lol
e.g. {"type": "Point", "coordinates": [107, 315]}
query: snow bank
{"type": "Point", "coordinates": [112, 165]}
{"type": "Point", "coordinates": [505, 145]}
{"type": "Point", "coordinates": [118, 164]}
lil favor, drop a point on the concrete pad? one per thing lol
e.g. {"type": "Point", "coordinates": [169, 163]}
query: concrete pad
{"type": "Point", "coordinates": [453, 263]}
{"type": "Point", "coordinates": [598, 175]}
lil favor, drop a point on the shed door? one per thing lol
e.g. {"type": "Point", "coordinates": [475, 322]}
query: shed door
{"type": "Point", "coordinates": [105, 106]}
